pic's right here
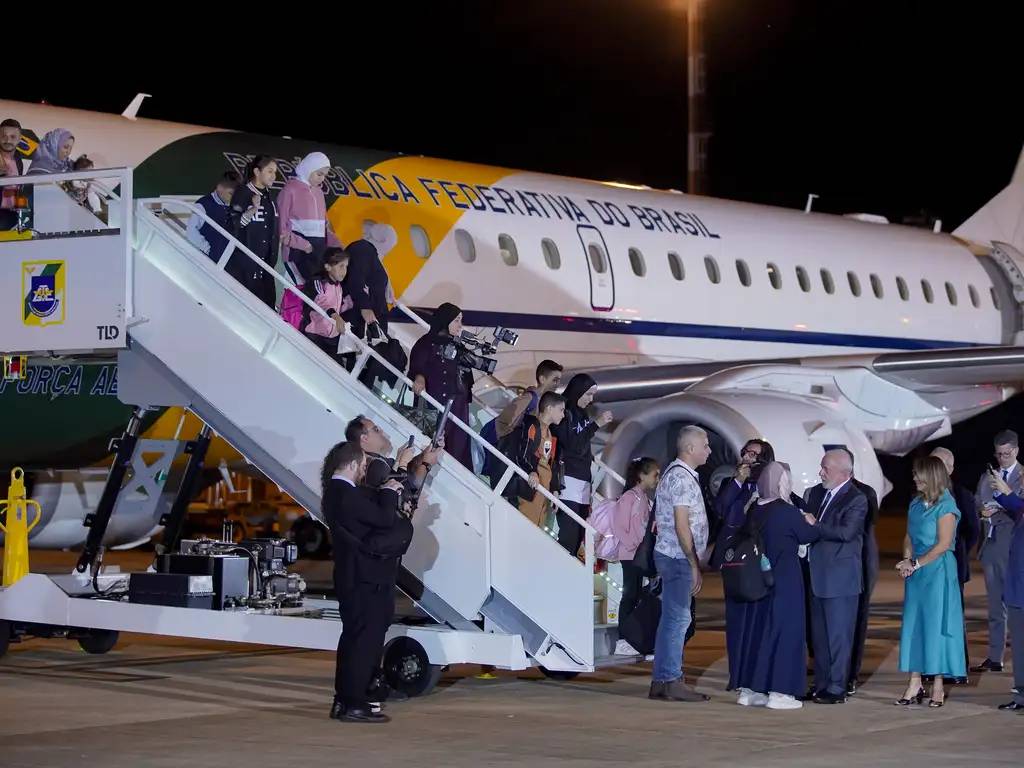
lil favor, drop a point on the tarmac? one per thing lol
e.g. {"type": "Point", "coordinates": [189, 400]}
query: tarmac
{"type": "Point", "coordinates": [157, 701]}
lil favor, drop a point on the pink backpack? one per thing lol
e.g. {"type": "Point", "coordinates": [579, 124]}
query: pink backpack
{"type": "Point", "coordinates": [602, 517]}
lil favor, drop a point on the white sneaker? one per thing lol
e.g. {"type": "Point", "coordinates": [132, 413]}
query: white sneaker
{"type": "Point", "coordinates": [622, 648]}
{"type": "Point", "coordinates": [783, 701]}
{"type": "Point", "coordinates": [749, 698]}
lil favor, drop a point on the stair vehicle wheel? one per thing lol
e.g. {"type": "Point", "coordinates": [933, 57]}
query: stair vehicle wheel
{"type": "Point", "coordinates": [408, 669]}
{"type": "Point", "coordinates": [98, 640]}
{"type": "Point", "coordinates": [5, 636]}
{"type": "Point", "coordinates": [558, 674]}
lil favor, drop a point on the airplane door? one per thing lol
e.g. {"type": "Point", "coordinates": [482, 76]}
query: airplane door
{"type": "Point", "coordinates": [599, 267]}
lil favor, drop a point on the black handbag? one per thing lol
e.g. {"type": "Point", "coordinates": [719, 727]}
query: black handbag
{"type": "Point", "coordinates": [641, 626]}
{"type": "Point", "coordinates": [644, 557]}
{"type": "Point", "coordinates": [391, 350]}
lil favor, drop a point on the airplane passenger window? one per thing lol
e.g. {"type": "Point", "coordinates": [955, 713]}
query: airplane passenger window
{"type": "Point", "coordinates": [675, 264]}
{"type": "Point", "coordinates": [551, 255]}
{"type": "Point", "coordinates": [508, 250]}
{"type": "Point", "coordinates": [636, 261]}
{"type": "Point", "coordinates": [711, 267]}
{"type": "Point", "coordinates": [827, 282]}
{"type": "Point", "coordinates": [803, 279]}
{"type": "Point", "coordinates": [951, 293]}
{"type": "Point", "coordinates": [975, 298]}
{"type": "Point", "coordinates": [743, 271]}
{"type": "Point", "coordinates": [464, 243]}
{"type": "Point", "coordinates": [598, 260]}
{"type": "Point", "coordinates": [420, 241]}
{"type": "Point", "coordinates": [774, 276]}
{"type": "Point", "coordinates": [854, 282]}
{"type": "Point", "coordinates": [876, 287]}
{"type": "Point", "coordinates": [901, 286]}
{"type": "Point", "coordinates": [995, 298]}
{"type": "Point", "coordinates": [926, 289]}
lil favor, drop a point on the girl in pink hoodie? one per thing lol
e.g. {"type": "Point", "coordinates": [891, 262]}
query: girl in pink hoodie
{"type": "Point", "coordinates": [324, 288]}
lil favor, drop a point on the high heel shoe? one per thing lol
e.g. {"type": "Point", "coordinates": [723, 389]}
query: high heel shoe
{"type": "Point", "coordinates": [915, 699]}
{"type": "Point", "coordinates": [933, 704]}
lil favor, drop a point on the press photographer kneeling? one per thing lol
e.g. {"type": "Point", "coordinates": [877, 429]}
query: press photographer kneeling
{"type": "Point", "coordinates": [370, 531]}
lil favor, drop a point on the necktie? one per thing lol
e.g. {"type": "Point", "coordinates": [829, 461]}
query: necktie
{"type": "Point", "coordinates": [824, 505]}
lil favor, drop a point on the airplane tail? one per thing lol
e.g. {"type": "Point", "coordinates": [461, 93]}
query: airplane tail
{"type": "Point", "coordinates": [1001, 219]}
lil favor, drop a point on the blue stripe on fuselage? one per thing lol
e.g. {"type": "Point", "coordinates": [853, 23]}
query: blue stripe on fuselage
{"type": "Point", "coordinates": [568, 324]}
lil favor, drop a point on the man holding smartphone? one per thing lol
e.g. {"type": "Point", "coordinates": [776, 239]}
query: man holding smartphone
{"type": "Point", "coordinates": [994, 549]}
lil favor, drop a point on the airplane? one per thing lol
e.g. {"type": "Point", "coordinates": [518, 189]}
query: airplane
{"type": "Point", "coordinates": [809, 329]}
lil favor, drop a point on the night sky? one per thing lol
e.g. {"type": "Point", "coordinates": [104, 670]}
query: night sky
{"type": "Point", "coordinates": [892, 107]}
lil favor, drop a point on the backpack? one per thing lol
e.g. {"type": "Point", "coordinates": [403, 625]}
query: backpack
{"type": "Point", "coordinates": [602, 518]}
{"type": "Point", "coordinates": [489, 431]}
{"type": "Point", "coordinates": [746, 572]}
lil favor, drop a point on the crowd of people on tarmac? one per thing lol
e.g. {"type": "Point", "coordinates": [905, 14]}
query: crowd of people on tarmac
{"type": "Point", "coordinates": [808, 587]}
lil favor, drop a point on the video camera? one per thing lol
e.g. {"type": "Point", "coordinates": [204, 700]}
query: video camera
{"type": "Point", "coordinates": [470, 351]}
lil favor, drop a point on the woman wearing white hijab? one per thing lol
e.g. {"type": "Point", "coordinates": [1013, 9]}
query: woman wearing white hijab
{"type": "Point", "coordinates": [303, 228]}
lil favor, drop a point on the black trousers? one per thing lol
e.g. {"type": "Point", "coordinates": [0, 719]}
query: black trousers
{"type": "Point", "coordinates": [330, 347]}
{"type": "Point", "coordinates": [860, 632]}
{"type": "Point", "coordinates": [570, 533]}
{"type": "Point", "coordinates": [632, 581]}
{"type": "Point", "coordinates": [366, 613]}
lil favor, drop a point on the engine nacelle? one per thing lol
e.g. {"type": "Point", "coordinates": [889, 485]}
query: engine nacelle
{"type": "Point", "coordinates": [799, 428]}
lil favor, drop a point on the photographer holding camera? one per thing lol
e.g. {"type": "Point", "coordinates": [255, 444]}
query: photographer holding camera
{"type": "Point", "coordinates": [444, 378]}
{"type": "Point", "coordinates": [407, 467]}
{"type": "Point", "coordinates": [370, 534]}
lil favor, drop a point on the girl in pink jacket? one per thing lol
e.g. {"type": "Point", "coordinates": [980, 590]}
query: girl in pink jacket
{"type": "Point", "coordinates": [324, 288]}
{"type": "Point", "coordinates": [632, 514]}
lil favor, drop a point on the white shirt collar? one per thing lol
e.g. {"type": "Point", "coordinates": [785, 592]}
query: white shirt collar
{"type": "Point", "coordinates": [339, 476]}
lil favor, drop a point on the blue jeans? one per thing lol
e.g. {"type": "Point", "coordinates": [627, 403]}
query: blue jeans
{"type": "Point", "coordinates": [676, 582]}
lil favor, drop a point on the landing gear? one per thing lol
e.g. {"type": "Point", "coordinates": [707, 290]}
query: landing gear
{"type": "Point", "coordinates": [98, 640]}
{"type": "Point", "coordinates": [310, 537]}
{"type": "Point", "coordinates": [5, 636]}
{"type": "Point", "coordinates": [407, 668]}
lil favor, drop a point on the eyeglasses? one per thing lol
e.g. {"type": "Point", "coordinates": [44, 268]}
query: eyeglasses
{"type": "Point", "coordinates": [750, 452]}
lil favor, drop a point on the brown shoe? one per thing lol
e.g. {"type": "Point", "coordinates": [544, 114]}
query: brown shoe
{"type": "Point", "coordinates": [678, 690]}
{"type": "Point", "coordinates": [657, 690]}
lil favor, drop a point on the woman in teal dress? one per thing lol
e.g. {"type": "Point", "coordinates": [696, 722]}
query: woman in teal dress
{"type": "Point", "coordinates": [932, 639]}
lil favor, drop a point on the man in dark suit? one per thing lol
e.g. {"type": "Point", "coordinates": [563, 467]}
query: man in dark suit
{"type": "Point", "coordinates": [368, 536]}
{"type": "Point", "coordinates": [870, 563]}
{"type": "Point", "coordinates": [994, 549]}
{"type": "Point", "coordinates": [11, 164]}
{"type": "Point", "coordinates": [839, 509]}
{"type": "Point", "coordinates": [967, 532]}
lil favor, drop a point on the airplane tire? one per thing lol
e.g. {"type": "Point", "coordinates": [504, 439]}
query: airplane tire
{"type": "Point", "coordinates": [98, 640]}
{"type": "Point", "coordinates": [5, 636]}
{"type": "Point", "coordinates": [408, 669]}
{"type": "Point", "coordinates": [310, 537]}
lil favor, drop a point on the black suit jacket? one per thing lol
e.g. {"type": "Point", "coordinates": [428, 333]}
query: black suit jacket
{"type": "Point", "coordinates": [836, 561]}
{"type": "Point", "coordinates": [368, 535]}
{"type": "Point", "coordinates": [870, 542]}
{"type": "Point", "coordinates": [967, 531]}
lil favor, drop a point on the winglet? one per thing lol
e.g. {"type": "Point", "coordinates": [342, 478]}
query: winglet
{"type": "Point", "coordinates": [132, 109]}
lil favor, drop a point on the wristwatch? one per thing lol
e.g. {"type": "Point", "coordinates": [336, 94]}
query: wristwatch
{"type": "Point", "coordinates": [913, 563]}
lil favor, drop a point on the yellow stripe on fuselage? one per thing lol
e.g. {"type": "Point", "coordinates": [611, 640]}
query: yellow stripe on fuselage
{"type": "Point", "coordinates": [435, 207]}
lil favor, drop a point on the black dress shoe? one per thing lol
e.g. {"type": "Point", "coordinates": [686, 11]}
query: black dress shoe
{"type": "Point", "coordinates": [955, 680]}
{"type": "Point", "coordinates": [1013, 706]}
{"type": "Point", "coordinates": [851, 688]}
{"type": "Point", "coordinates": [988, 666]}
{"type": "Point", "coordinates": [811, 695]}
{"type": "Point", "coordinates": [363, 715]}
{"type": "Point", "coordinates": [824, 697]}
{"type": "Point", "coordinates": [337, 710]}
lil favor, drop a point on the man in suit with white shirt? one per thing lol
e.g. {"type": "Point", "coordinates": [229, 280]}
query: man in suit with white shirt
{"type": "Point", "coordinates": [839, 509]}
{"type": "Point", "coordinates": [994, 549]}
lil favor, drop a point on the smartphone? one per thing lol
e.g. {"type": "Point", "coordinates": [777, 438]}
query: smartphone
{"type": "Point", "coordinates": [409, 443]}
